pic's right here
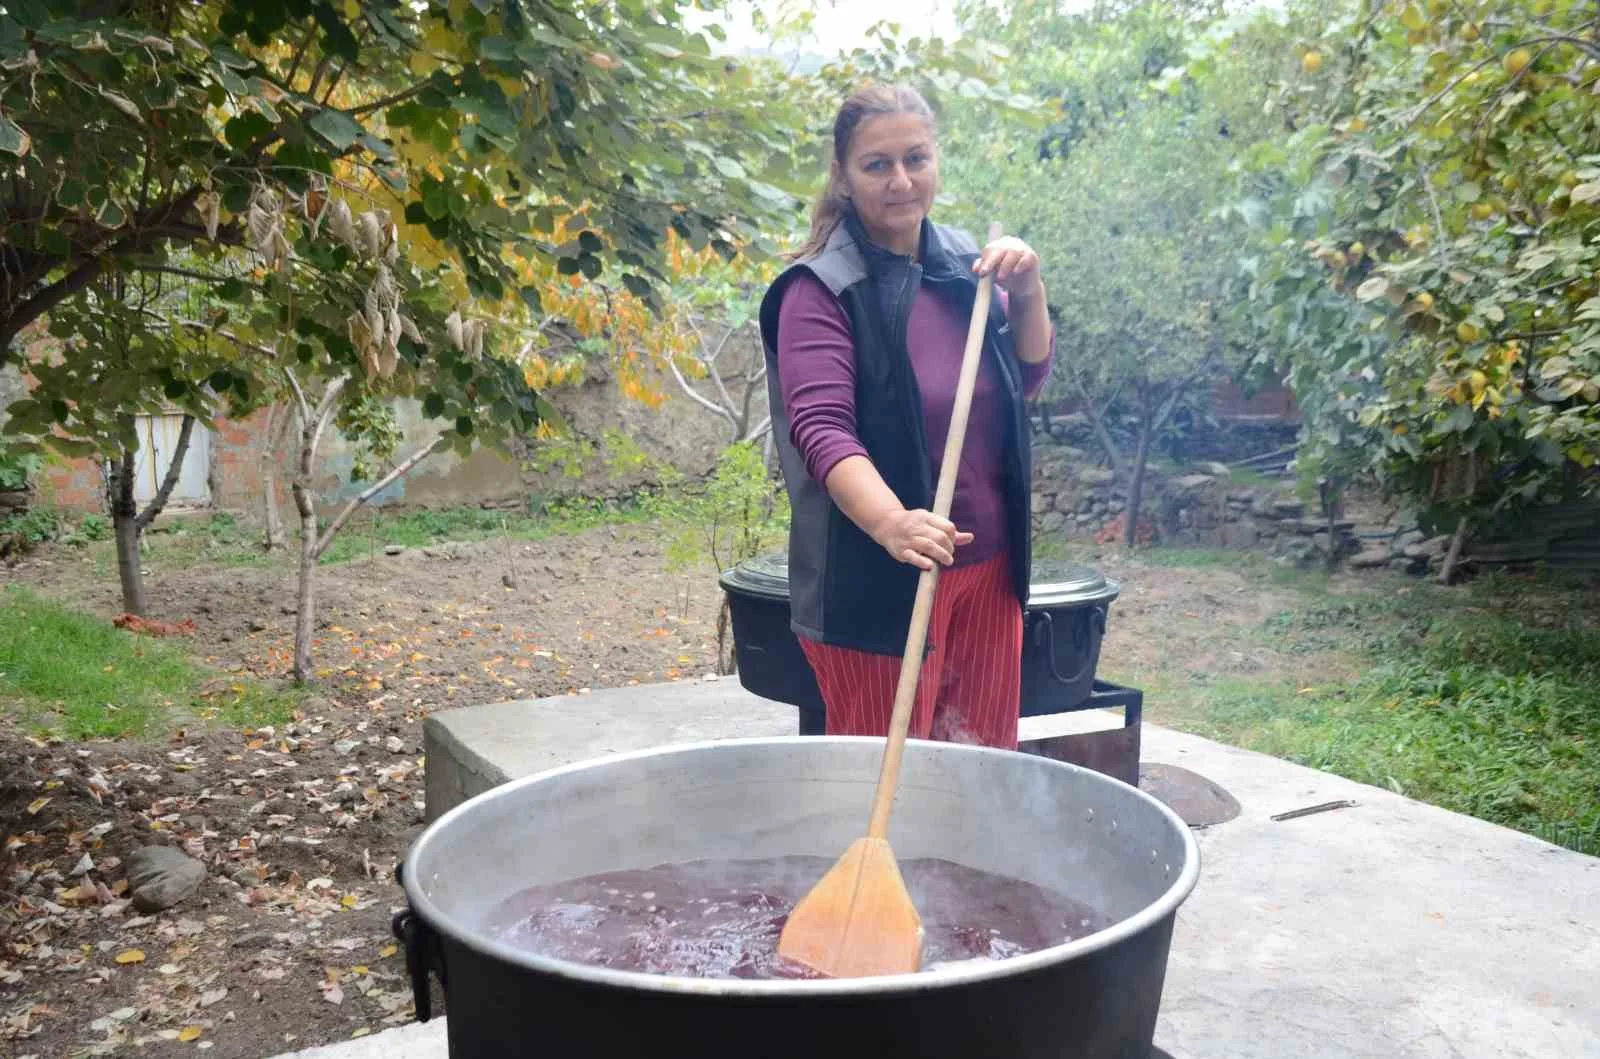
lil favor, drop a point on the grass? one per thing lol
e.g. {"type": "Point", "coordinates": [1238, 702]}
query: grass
{"type": "Point", "coordinates": [1483, 699]}
{"type": "Point", "coordinates": [77, 676]}
{"type": "Point", "coordinates": [220, 539]}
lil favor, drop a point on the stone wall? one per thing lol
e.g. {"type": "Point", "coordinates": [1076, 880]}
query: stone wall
{"type": "Point", "coordinates": [1198, 506]}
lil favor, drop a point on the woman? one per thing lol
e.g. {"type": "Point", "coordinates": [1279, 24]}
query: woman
{"type": "Point", "coordinates": [864, 334]}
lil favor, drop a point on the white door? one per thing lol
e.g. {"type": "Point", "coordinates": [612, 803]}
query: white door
{"type": "Point", "coordinates": [158, 437]}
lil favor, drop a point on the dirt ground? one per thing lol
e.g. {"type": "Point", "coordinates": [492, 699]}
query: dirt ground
{"type": "Point", "coordinates": [287, 943]}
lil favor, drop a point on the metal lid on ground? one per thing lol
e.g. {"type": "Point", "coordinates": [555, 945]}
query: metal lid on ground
{"type": "Point", "coordinates": [1059, 583]}
{"type": "Point", "coordinates": [765, 576]}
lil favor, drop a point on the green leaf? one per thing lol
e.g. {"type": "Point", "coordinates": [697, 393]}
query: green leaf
{"type": "Point", "coordinates": [337, 127]}
{"type": "Point", "coordinates": [1586, 192]}
{"type": "Point", "coordinates": [497, 49]}
{"type": "Point", "coordinates": [728, 167]}
{"type": "Point", "coordinates": [122, 103]}
{"type": "Point", "coordinates": [1373, 287]}
{"type": "Point", "coordinates": [13, 140]}
{"type": "Point", "coordinates": [464, 426]}
{"type": "Point", "coordinates": [433, 406]}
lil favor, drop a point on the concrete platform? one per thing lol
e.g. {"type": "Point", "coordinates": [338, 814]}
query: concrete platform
{"type": "Point", "coordinates": [1388, 929]}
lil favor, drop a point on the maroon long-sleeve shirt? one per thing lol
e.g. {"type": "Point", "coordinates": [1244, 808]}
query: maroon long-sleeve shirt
{"type": "Point", "coordinates": [817, 371]}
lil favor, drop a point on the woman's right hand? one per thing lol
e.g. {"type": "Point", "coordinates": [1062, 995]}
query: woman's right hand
{"type": "Point", "coordinates": [921, 538]}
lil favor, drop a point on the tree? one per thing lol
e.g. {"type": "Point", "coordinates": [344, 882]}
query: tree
{"type": "Point", "coordinates": [1120, 198]}
{"type": "Point", "coordinates": [1427, 268]}
{"type": "Point", "coordinates": [713, 309]}
{"type": "Point", "coordinates": [176, 233]}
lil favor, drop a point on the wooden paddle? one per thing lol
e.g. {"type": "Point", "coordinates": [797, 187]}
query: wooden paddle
{"type": "Point", "coordinates": [859, 920]}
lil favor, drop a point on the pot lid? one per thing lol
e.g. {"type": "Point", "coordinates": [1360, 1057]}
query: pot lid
{"type": "Point", "coordinates": [766, 576]}
{"type": "Point", "coordinates": [1055, 582]}
{"type": "Point", "coordinates": [1058, 583]}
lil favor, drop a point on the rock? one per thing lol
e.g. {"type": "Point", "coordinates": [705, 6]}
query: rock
{"type": "Point", "coordinates": [345, 746]}
{"type": "Point", "coordinates": [1097, 476]}
{"type": "Point", "coordinates": [1116, 507]}
{"type": "Point", "coordinates": [1288, 508]}
{"type": "Point", "coordinates": [1053, 522]}
{"type": "Point", "coordinates": [394, 745]}
{"type": "Point", "coordinates": [1098, 509]}
{"type": "Point", "coordinates": [1242, 497]}
{"type": "Point", "coordinates": [256, 625]}
{"type": "Point", "coordinates": [1239, 535]}
{"type": "Point", "coordinates": [1322, 542]}
{"type": "Point", "coordinates": [1067, 504]}
{"type": "Point", "coordinates": [1185, 519]}
{"type": "Point", "coordinates": [1263, 505]}
{"type": "Point", "coordinates": [160, 877]}
{"type": "Point", "coordinates": [1432, 548]}
{"type": "Point", "coordinates": [1190, 483]}
{"type": "Point", "coordinates": [1214, 469]}
{"type": "Point", "coordinates": [1402, 566]}
{"type": "Point", "coordinates": [393, 549]}
{"type": "Point", "coordinates": [1370, 558]}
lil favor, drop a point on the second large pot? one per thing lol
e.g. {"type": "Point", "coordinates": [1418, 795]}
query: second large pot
{"type": "Point", "coordinates": [1056, 825]}
{"type": "Point", "coordinates": [1064, 621]}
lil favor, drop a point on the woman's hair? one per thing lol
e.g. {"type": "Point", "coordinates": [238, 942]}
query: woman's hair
{"type": "Point", "coordinates": [871, 101]}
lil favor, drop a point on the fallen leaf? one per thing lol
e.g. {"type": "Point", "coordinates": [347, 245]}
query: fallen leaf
{"type": "Point", "coordinates": [37, 804]}
{"type": "Point", "coordinates": [130, 956]}
{"type": "Point", "coordinates": [388, 951]}
{"type": "Point", "coordinates": [189, 1033]}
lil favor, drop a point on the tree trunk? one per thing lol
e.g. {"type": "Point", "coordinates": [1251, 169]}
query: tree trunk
{"type": "Point", "coordinates": [1101, 431]}
{"type": "Point", "coordinates": [125, 524]}
{"type": "Point", "coordinates": [277, 429]}
{"type": "Point", "coordinates": [1136, 487]}
{"type": "Point", "coordinates": [305, 586]}
{"type": "Point", "coordinates": [1447, 572]}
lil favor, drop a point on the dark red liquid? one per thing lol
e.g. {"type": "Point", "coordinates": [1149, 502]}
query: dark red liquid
{"type": "Point", "coordinates": [722, 919]}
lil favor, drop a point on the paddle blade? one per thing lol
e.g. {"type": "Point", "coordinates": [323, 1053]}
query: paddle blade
{"type": "Point", "coordinates": [859, 920]}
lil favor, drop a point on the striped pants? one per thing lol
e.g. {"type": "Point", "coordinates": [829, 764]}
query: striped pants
{"type": "Point", "coordinates": [970, 688]}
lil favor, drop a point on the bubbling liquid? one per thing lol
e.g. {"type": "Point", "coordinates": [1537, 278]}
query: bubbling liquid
{"type": "Point", "coordinates": [722, 918]}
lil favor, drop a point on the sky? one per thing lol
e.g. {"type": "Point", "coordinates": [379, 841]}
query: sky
{"type": "Point", "coordinates": [842, 26]}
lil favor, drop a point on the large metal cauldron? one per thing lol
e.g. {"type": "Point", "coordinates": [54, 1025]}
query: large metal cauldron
{"type": "Point", "coordinates": [1053, 824]}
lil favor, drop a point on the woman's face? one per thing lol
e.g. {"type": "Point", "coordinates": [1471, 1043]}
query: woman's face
{"type": "Point", "coordinates": [891, 175]}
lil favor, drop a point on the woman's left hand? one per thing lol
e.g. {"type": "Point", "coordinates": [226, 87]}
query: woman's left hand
{"type": "Point", "coordinates": [1014, 263]}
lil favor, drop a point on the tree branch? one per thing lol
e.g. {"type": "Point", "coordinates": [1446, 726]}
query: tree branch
{"type": "Point", "coordinates": [190, 273]}
{"type": "Point", "coordinates": [46, 299]}
{"type": "Point", "coordinates": [388, 101]}
{"type": "Point", "coordinates": [174, 470]}
{"type": "Point", "coordinates": [690, 392]}
{"type": "Point", "coordinates": [373, 490]}
{"type": "Point", "coordinates": [1119, 465]}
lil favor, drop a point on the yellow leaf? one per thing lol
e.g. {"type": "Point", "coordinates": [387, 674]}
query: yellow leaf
{"type": "Point", "coordinates": [37, 804]}
{"type": "Point", "coordinates": [349, 900]}
{"type": "Point", "coordinates": [130, 956]}
{"type": "Point", "coordinates": [189, 1033]}
{"type": "Point", "coordinates": [388, 951]}
{"type": "Point", "coordinates": [360, 968]}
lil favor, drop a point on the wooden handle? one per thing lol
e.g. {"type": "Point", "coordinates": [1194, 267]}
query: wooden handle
{"type": "Point", "coordinates": [916, 639]}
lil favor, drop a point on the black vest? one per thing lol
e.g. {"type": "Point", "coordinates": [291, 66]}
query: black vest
{"type": "Point", "coordinates": [844, 589]}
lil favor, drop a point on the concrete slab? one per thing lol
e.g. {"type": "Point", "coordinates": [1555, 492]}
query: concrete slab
{"type": "Point", "coordinates": [420, 1040]}
{"type": "Point", "coordinates": [1389, 928]}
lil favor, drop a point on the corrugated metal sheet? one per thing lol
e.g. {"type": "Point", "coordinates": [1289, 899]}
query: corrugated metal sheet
{"type": "Point", "coordinates": [158, 438]}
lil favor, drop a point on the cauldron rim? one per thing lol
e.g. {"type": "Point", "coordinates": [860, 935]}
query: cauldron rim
{"type": "Point", "coordinates": [921, 981]}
